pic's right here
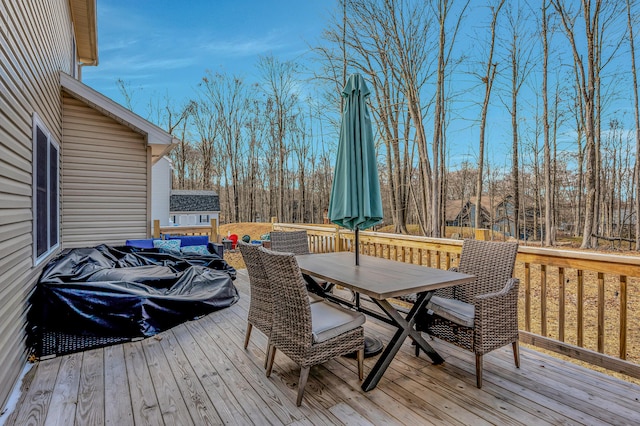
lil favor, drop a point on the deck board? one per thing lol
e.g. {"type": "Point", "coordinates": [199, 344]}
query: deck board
{"type": "Point", "coordinates": [199, 373]}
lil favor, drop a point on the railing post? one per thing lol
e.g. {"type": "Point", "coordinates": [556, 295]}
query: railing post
{"type": "Point", "coordinates": [214, 231]}
{"type": "Point", "coordinates": [156, 228]}
{"type": "Point", "coordinates": [482, 234]}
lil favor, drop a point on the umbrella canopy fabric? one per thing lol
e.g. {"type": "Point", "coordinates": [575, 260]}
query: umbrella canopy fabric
{"type": "Point", "coordinates": [355, 201]}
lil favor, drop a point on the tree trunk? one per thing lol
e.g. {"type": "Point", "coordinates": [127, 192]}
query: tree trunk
{"type": "Point", "coordinates": [636, 169]}
{"type": "Point", "coordinates": [488, 80]}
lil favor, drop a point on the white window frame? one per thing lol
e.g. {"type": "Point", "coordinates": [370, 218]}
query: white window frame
{"type": "Point", "coordinates": [51, 142]}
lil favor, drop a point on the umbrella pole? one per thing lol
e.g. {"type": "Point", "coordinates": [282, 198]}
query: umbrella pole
{"type": "Point", "coordinates": [357, 246]}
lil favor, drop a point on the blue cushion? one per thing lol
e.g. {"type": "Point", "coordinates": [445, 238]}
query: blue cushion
{"type": "Point", "coordinates": [167, 246]}
{"type": "Point", "coordinates": [195, 250]}
{"type": "Point", "coordinates": [144, 244]}
{"type": "Point", "coordinates": [189, 240]}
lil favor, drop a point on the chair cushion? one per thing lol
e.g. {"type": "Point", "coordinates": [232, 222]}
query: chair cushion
{"type": "Point", "coordinates": [189, 240]}
{"type": "Point", "coordinates": [453, 310]}
{"type": "Point", "coordinates": [201, 250]}
{"type": "Point", "coordinates": [143, 244]}
{"type": "Point", "coordinates": [167, 246]}
{"type": "Point", "coordinates": [329, 320]}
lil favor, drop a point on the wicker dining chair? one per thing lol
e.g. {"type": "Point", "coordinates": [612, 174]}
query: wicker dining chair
{"type": "Point", "coordinates": [482, 315]}
{"type": "Point", "coordinates": [261, 302]}
{"type": "Point", "coordinates": [297, 242]}
{"type": "Point", "coordinates": [308, 333]}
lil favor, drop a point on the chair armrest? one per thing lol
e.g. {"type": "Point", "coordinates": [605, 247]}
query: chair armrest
{"type": "Point", "coordinates": [510, 287]}
{"type": "Point", "coordinates": [496, 317]}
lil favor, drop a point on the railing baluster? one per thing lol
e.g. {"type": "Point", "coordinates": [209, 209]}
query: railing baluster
{"type": "Point", "coordinates": [561, 313]}
{"type": "Point", "coordinates": [600, 312]}
{"type": "Point", "coordinates": [448, 260]}
{"type": "Point", "coordinates": [438, 259]}
{"type": "Point", "coordinates": [580, 302]}
{"type": "Point", "coordinates": [623, 317]}
{"type": "Point", "coordinates": [543, 300]}
{"type": "Point", "coordinates": [527, 296]}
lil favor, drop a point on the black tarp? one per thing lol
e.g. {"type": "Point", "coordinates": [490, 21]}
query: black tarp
{"type": "Point", "coordinates": [124, 292]}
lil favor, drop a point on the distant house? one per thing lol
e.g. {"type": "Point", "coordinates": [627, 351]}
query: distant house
{"type": "Point", "coordinates": [495, 215]}
{"type": "Point", "coordinates": [503, 219]}
{"type": "Point", "coordinates": [75, 167]}
{"type": "Point", "coordinates": [193, 207]}
{"type": "Point", "coordinates": [462, 212]}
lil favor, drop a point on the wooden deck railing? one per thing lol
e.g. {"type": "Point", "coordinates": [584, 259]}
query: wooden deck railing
{"type": "Point", "coordinates": [209, 230]}
{"type": "Point", "coordinates": [574, 303]}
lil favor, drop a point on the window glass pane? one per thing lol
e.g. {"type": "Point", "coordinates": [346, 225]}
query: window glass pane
{"type": "Point", "coordinates": [41, 192]}
{"type": "Point", "coordinates": [53, 195]}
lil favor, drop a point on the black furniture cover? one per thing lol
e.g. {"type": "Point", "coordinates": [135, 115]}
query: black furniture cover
{"type": "Point", "coordinates": [104, 294]}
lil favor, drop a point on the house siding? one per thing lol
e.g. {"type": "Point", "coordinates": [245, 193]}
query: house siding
{"type": "Point", "coordinates": [35, 45]}
{"type": "Point", "coordinates": [104, 179]}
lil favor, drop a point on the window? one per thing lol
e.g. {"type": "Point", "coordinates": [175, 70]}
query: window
{"type": "Point", "coordinates": [204, 218]}
{"type": "Point", "coordinates": [46, 197]}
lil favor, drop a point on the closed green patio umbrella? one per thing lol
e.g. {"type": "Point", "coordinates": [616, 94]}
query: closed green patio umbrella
{"type": "Point", "coordinates": [355, 201]}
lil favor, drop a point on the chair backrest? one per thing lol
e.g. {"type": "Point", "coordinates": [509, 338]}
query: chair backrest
{"type": "Point", "coordinates": [492, 264]}
{"type": "Point", "coordinates": [295, 242]}
{"type": "Point", "coordinates": [291, 315]}
{"type": "Point", "coordinates": [261, 304]}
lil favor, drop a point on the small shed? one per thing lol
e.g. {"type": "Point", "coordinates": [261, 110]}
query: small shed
{"type": "Point", "coordinates": [193, 207]}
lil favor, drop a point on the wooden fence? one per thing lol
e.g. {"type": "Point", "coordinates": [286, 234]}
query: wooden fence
{"type": "Point", "coordinates": [210, 230]}
{"type": "Point", "coordinates": [571, 302]}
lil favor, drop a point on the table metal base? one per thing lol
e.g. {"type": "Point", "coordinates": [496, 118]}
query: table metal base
{"type": "Point", "coordinates": [406, 328]}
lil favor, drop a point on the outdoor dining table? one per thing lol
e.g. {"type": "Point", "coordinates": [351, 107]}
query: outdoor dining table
{"type": "Point", "coordinates": [381, 279]}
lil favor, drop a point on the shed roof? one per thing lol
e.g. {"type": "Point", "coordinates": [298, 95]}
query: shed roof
{"type": "Point", "coordinates": [194, 201]}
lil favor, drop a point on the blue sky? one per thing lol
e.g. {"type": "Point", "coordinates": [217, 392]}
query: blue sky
{"type": "Point", "coordinates": [161, 47]}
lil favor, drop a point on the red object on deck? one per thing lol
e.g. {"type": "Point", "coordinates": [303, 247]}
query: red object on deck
{"type": "Point", "coordinates": [234, 239]}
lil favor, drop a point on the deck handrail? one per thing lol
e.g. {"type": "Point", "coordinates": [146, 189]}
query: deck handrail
{"type": "Point", "coordinates": [210, 230]}
{"type": "Point", "coordinates": [582, 290]}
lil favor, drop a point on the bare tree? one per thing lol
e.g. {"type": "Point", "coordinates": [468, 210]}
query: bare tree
{"type": "Point", "coordinates": [439, 119]}
{"type": "Point", "coordinates": [548, 231]}
{"type": "Point", "coordinates": [279, 85]}
{"type": "Point", "coordinates": [588, 78]}
{"type": "Point", "coordinates": [636, 111]}
{"type": "Point", "coordinates": [518, 52]}
{"type": "Point", "coordinates": [487, 79]}
{"type": "Point", "coordinates": [229, 104]}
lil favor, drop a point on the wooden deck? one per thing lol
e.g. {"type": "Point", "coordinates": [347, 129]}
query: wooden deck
{"type": "Point", "coordinates": [198, 373]}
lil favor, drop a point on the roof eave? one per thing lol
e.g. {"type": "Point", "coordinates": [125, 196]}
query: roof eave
{"type": "Point", "coordinates": [84, 17]}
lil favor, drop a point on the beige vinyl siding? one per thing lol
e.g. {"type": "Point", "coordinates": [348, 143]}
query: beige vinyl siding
{"type": "Point", "coordinates": [104, 179]}
{"type": "Point", "coordinates": [35, 45]}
